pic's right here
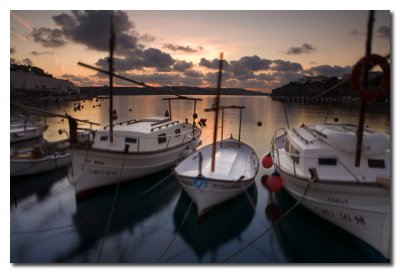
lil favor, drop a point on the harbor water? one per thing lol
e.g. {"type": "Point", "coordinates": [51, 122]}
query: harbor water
{"type": "Point", "coordinates": [155, 222]}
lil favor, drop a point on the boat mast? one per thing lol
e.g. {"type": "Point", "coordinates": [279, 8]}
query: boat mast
{"type": "Point", "coordinates": [111, 70]}
{"type": "Point", "coordinates": [214, 145]}
{"type": "Point", "coordinates": [360, 130]}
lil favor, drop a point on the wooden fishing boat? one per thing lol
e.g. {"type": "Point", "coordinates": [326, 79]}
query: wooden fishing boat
{"type": "Point", "coordinates": [41, 158]}
{"type": "Point", "coordinates": [221, 170]}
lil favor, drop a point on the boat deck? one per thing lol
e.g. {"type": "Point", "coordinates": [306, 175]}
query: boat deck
{"type": "Point", "coordinates": [231, 162]}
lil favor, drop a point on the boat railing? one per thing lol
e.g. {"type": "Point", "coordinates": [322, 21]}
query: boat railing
{"type": "Point", "coordinates": [165, 125]}
{"type": "Point", "coordinates": [144, 143]}
{"type": "Point", "coordinates": [278, 153]}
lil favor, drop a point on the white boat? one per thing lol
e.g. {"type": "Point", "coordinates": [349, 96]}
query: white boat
{"type": "Point", "coordinates": [357, 199]}
{"type": "Point", "coordinates": [22, 130]}
{"type": "Point", "coordinates": [38, 159]}
{"type": "Point", "coordinates": [130, 149]}
{"type": "Point", "coordinates": [236, 166]}
{"type": "Point", "coordinates": [139, 148]}
{"type": "Point", "coordinates": [221, 170]}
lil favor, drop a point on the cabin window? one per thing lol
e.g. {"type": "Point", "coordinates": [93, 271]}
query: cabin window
{"type": "Point", "coordinates": [376, 163]}
{"type": "Point", "coordinates": [162, 138]}
{"type": "Point", "coordinates": [327, 161]}
{"type": "Point", "coordinates": [294, 152]}
{"type": "Point", "coordinates": [177, 132]}
{"type": "Point", "coordinates": [130, 140]}
{"type": "Point", "coordinates": [103, 138]}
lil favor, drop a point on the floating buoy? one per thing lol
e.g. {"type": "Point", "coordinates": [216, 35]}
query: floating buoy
{"type": "Point", "coordinates": [273, 212]}
{"type": "Point", "coordinates": [274, 182]}
{"type": "Point", "coordinates": [259, 123]}
{"type": "Point", "coordinates": [267, 161]}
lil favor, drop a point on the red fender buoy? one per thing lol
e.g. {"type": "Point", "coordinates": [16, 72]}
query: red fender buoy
{"type": "Point", "coordinates": [267, 161]}
{"type": "Point", "coordinates": [274, 182]}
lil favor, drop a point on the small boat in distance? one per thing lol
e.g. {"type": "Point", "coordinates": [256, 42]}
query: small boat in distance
{"type": "Point", "coordinates": [221, 170]}
{"type": "Point", "coordinates": [23, 129]}
{"type": "Point", "coordinates": [41, 158]}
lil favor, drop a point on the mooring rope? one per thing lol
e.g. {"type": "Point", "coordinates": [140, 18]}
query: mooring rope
{"type": "Point", "coordinates": [272, 226]}
{"type": "Point", "coordinates": [112, 208]}
{"type": "Point", "coordinates": [176, 232]}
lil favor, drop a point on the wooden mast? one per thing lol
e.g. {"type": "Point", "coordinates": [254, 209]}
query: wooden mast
{"type": "Point", "coordinates": [214, 145]}
{"type": "Point", "coordinates": [111, 70]}
{"type": "Point", "coordinates": [360, 130]}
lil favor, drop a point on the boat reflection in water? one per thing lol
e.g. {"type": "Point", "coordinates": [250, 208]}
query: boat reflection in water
{"type": "Point", "coordinates": [307, 238]}
{"type": "Point", "coordinates": [39, 185]}
{"type": "Point", "coordinates": [221, 224]}
{"type": "Point", "coordinates": [135, 203]}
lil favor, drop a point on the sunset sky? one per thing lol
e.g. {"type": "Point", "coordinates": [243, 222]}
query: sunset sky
{"type": "Point", "coordinates": [263, 49]}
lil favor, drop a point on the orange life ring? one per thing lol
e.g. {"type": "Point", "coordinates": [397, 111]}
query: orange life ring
{"type": "Point", "coordinates": [357, 77]}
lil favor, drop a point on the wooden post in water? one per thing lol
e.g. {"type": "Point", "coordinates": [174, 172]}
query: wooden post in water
{"type": "Point", "coordinates": [360, 130]}
{"type": "Point", "coordinates": [214, 145]}
{"type": "Point", "coordinates": [111, 70]}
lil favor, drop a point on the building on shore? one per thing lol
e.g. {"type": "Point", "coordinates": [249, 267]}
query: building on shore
{"type": "Point", "coordinates": [29, 84]}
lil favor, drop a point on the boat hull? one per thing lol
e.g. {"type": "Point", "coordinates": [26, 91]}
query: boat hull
{"type": "Point", "coordinates": [343, 204]}
{"type": "Point", "coordinates": [236, 167]}
{"type": "Point", "coordinates": [92, 168]}
{"type": "Point", "coordinates": [20, 133]}
{"type": "Point", "coordinates": [214, 193]}
{"type": "Point", "coordinates": [21, 167]}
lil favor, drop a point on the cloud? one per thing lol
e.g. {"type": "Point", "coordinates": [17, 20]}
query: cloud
{"type": "Point", "coordinates": [156, 58]}
{"type": "Point", "coordinates": [36, 53]}
{"type": "Point", "coordinates": [249, 64]}
{"type": "Point", "coordinates": [21, 20]}
{"type": "Point", "coordinates": [147, 38]}
{"type": "Point", "coordinates": [193, 73]}
{"type": "Point", "coordinates": [48, 37]}
{"type": "Point", "coordinates": [214, 64]}
{"type": "Point", "coordinates": [150, 58]}
{"type": "Point", "coordinates": [186, 49]}
{"type": "Point", "coordinates": [22, 37]}
{"type": "Point", "coordinates": [331, 71]}
{"type": "Point", "coordinates": [284, 66]}
{"type": "Point", "coordinates": [182, 65]}
{"type": "Point", "coordinates": [92, 29]}
{"type": "Point", "coordinates": [27, 61]}
{"type": "Point", "coordinates": [384, 32]}
{"type": "Point", "coordinates": [305, 48]}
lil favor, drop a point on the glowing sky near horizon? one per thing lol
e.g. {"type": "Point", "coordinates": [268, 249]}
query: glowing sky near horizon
{"type": "Point", "coordinates": [262, 49]}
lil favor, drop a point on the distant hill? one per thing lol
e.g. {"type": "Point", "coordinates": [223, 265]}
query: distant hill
{"type": "Point", "coordinates": [30, 69]}
{"type": "Point", "coordinates": [167, 90]}
{"type": "Point", "coordinates": [313, 88]}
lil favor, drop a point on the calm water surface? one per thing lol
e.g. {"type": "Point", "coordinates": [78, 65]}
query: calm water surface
{"type": "Point", "coordinates": [154, 221]}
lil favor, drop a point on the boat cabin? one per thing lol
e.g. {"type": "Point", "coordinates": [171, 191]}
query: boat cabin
{"type": "Point", "coordinates": [331, 149]}
{"type": "Point", "coordinates": [144, 135]}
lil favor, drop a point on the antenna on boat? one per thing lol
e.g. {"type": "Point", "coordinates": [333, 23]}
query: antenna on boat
{"type": "Point", "coordinates": [111, 69]}
{"type": "Point", "coordinates": [214, 145]}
